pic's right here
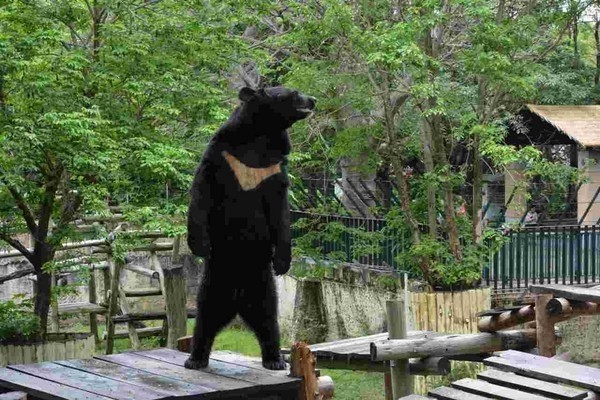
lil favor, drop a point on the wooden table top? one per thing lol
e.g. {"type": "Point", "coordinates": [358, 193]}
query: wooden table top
{"type": "Point", "coordinates": [149, 375]}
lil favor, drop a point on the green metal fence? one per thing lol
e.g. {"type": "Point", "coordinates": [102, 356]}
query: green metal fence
{"type": "Point", "coordinates": [558, 254]}
{"type": "Point", "coordinates": [540, 254]}
{"type": "Point", "coordinates": [350, 244]}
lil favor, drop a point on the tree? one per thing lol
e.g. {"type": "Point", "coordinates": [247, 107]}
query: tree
{"type": "Point", "coordinates": [106, 102]}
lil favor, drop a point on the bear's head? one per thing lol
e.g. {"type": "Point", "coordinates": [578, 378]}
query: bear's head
{"type": "Point", "coordinates": [277, 106]}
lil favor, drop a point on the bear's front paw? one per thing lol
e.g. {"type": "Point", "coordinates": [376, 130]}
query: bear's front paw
{"type": "Point", "coordinates": [195, 364]}
{"type": "Point", "coordinates": [281, 266]}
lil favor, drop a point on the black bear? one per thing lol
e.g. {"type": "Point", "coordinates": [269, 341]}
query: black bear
{"type": "Point", "coordinates": [239, 220]}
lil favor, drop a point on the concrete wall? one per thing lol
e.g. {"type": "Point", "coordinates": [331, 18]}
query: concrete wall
{"type": "Point", "coordinates": [580, 339]}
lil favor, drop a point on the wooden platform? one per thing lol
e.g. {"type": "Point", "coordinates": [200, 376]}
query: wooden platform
{"type": "Point", "coordinates": [150, 375]}
{"type": "Point", "coordinates": [355, 353]}
{"type": "Point", "coordinates": [518, 376]}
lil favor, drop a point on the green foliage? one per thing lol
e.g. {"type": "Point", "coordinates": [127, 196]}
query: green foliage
{"type": "Point", "coordinates": [17, 323]}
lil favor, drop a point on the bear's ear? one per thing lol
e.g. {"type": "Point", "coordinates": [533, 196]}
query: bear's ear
{"type": "Point", "coordinates": [246, 94]}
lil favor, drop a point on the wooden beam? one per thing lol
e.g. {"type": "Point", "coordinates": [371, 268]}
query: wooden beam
{"type": "Point", "coordinates": [546, 338]}
{"type": "Point", "coordinates": [447, 346]}
{"type": "Point", "coordinates": [141, 270]}
{"type": "Point", "coordinates": [174, 289]}
{"type": "Point", "coordinates": [568, 292]}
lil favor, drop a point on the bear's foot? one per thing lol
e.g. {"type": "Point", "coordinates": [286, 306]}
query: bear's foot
{"type": "Point", "coordinates": [190, 363]}
{"type": "Point", "coordinates": [276, 365]}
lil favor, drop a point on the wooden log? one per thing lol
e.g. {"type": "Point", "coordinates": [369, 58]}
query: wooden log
{"type": "Point", "coordinates": [447, 346]}
{"type": "Point", "coordinates": [546, 338]}
{"type": "Point", "coordinates": [143, 271]}
{"type": "Point", "coordinates": [154, 247]}
{"type": "Point", "coordinates": [93, 300]}
{"type": "Point", "coordinates": [143, 292]}
{"type": "Point", "coordinates": [507, 319]}
{"type": "Point", "coordinates": [116, 267]}
{"type": "Point", "coordinates": [141, 333]}
{"type": "Point", "coordinates": [174, 289]}
{"type": "Point", "coordinates": [303, 366]}
{"type": "Point", "coordinates": [326, 387]}
{"type": "Point", "coordinates": [569, 308]}
{"type": "Point", "coordinates": [147, 316]}
{"type": "Point", "coordinates": [402, 384]}
{"type": "Point", "coordinates": [66, 246]}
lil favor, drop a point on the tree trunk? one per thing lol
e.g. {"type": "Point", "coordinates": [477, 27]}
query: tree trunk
{"type": "Point", "coordinates": [427, 147]}
{"type": "Point", "coordinates": [42, 299]}
{"type": "Point", "coordinates": [477, 188]}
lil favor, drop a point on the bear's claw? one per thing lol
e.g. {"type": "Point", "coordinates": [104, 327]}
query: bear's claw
{"type": "Point", "coordinates": [276, 365]}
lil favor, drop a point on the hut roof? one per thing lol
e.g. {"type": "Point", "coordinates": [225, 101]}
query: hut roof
{"type": "Point", "coordinates": [580, 123]}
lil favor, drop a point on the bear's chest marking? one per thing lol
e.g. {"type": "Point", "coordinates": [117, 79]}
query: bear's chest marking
{"type": "Point", "coordinates": [249, 178]}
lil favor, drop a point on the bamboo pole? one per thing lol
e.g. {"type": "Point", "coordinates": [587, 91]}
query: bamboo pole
{"type": "Point", "coordinates": [402, 384]}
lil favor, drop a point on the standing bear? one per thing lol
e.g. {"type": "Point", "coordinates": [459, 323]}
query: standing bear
{"type": "Point", "coordinates": [239, 220]}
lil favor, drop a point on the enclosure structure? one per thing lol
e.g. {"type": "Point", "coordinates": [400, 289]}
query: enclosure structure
{"type": "Point", "coordinates": [568, 134]}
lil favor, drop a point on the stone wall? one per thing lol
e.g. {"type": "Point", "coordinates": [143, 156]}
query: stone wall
{"type": "Point", "coordinates": [580, 339]}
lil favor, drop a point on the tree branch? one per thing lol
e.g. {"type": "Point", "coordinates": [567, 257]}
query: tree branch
{"type": "Point", "coordinates": [25, 210]}
{"type": "Point", "coordinates": [17, 245]}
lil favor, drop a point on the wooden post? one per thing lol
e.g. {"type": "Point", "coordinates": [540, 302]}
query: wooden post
{"type": "Point", "coordinates": [303, 366]}
{"type": "Point", "coordinates": [115, 269]}
{"type": "Point", "coordinates": [546, 338]}
{"type": "Point", "coordinates": [155, 266]}
{"type": "Point", "coordinates": [402, 384]}
{"type": "Point", "coordinates": [93, 300]}
{"type": "Point", "coordinates": [133, 336]}
{"type": "Point", "coordinates": [174, 289]}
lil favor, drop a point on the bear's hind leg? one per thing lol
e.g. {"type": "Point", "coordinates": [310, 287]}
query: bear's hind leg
{"type": "Point", "coordinates": [214, 312]}
{"type": "Point", "coordinates": [259, 310]}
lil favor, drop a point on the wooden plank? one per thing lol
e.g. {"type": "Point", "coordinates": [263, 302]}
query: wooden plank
{"type": "Point", "coordinates": [514, 381]}
{"type": "Point", "coordinates": [413, 397]}
{"type": "Point", "coordinates": [568, 292]}
{"type": "Point", "coordinates": [431, 312]}
{"type": "Point", "coordinates": [46, 390]}
{"type": "Point", "coordinates": [235, 366]}
{"type": "Point", "coordinates": [458, 313]}
{"type": "Point", "coordinates": [449, 312]}
{"type": "Point", "coordinates": [124, 305]}
{"type": "Point", "coordinates": [77, 308]}
{"type": "Point", "coordinates": [447, 393]}
{"type": "Point", "coordinates": [28, 354]}
{"type": "Point", "coordinates": [89, 382]}
{"type": "Point", "coordinates": [136, 377]}
{"type": "Point", "coordinates": [13, 396]}
{"type": "Point", "coordinates": [546, 369]}
{"type": "Point", "coordinates": [490, 390]}
{"type": "Point", "coordinates": [196, 377]}
{"type": "Point", "coordinates": [441, 312]}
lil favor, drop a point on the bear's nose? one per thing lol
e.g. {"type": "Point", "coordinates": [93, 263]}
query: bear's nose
{"type": "Point", "coordinates": [311, 102]}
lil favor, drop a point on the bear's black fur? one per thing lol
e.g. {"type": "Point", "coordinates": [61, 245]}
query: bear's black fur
{"type": "Point", "coordinates": [239, 220]}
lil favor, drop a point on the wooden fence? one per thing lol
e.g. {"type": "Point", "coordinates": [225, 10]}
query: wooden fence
{"type": "Point", "coordinates": [448, 312]}
{"type": "Point", "coordinates": [77, 346]}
